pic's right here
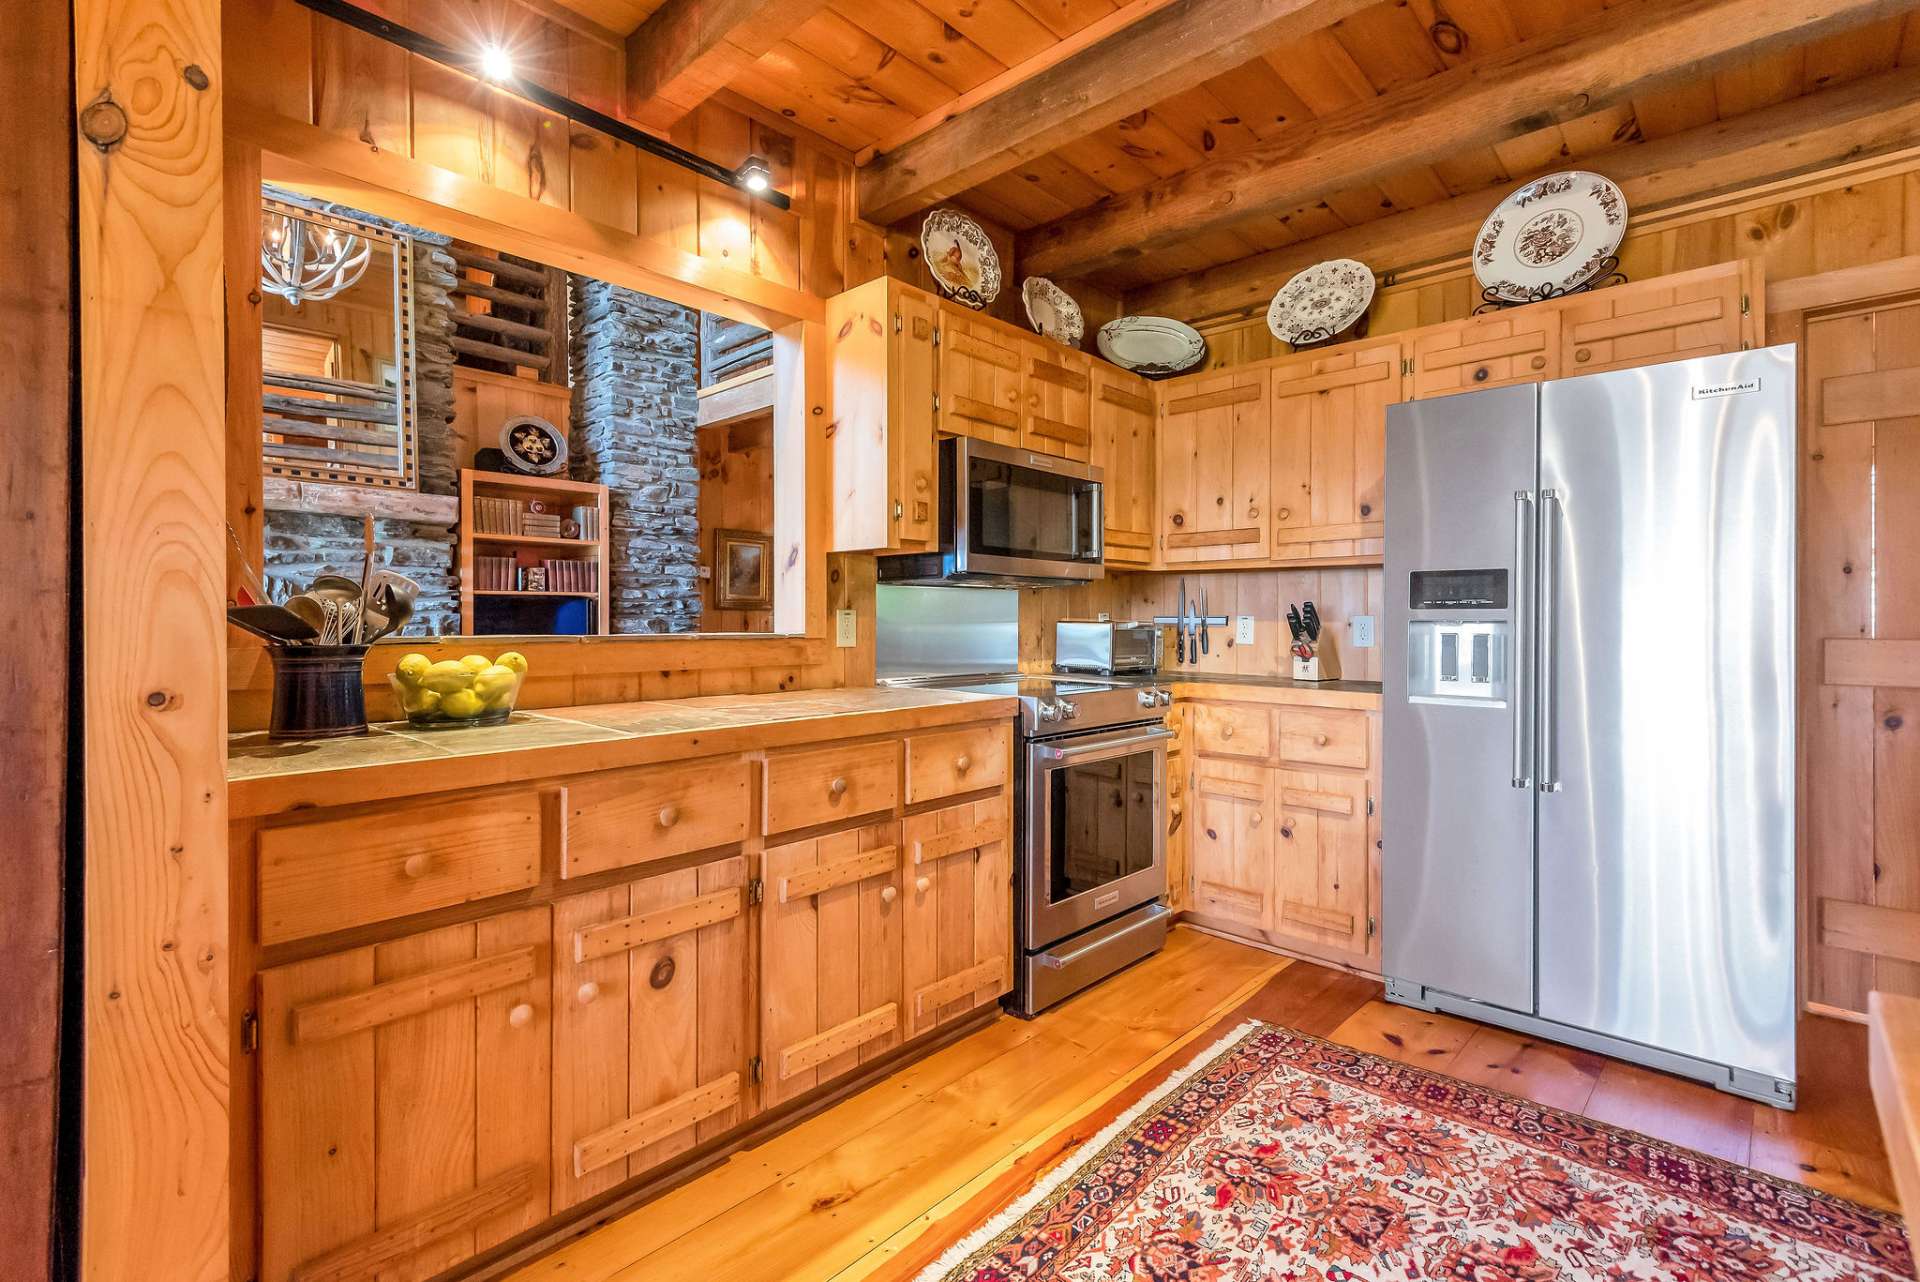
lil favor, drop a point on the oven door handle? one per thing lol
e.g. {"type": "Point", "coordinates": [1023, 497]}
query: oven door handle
{"type": "Point", "coordinates": [1101, 747]}
{"type": "Point", "coordinates": [1060, 961]}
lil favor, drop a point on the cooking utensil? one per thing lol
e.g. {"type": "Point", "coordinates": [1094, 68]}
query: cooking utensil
{"type": "Point", "coordinates": [1311, 617]}
{"type": "Point", "coordinates": [310, 608]}
{"type": "Point", "coordinates": [1180, 627]}
{"type": "Point", "coordinates": [255, 588]}
{"type": "Point", "coordinates": [1203, 620]}
{"type": "Point", "coordinates": [366, 578]}
{"type": "Point", "coordinates": [397, 611]}
{"type": "Point", "coordinates": [272, 622]}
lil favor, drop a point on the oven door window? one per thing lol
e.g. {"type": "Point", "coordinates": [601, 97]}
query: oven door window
{"type": "Point", "coordinates": [1103, 823]}
{"type": "Point", "coordinates": [1025, 512]}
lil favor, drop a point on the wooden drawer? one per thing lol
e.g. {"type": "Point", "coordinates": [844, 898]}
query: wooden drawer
{"type": "Point", "coordinates": [1324, 736]}
{"type": "Point", "coordinates": [956, 761]}
{"type": "Point", "coordinates": [334, 874]}
{"type": "Point", "coordinates": [625, 817]}
{"type": "Point", "coordinates": [827, 785]}
{"type": "Point", "coordinates": [1233, 730]}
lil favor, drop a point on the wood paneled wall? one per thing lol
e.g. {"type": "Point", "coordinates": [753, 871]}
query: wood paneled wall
{"type": "Point", "coordinates": [736, 493]}
{"type": "Point", "coordinates": [483, 400]}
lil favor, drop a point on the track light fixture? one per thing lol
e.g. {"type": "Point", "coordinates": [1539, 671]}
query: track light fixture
{"type": "Point", "coordinates": [493, 62]}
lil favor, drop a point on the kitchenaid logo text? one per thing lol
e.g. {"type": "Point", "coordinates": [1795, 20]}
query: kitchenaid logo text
{"type": "Point", "coordinates": [1741, 388]}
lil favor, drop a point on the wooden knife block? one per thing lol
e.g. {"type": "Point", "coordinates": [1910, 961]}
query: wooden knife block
{"type": "Point", "coordinates": [1323, 666]}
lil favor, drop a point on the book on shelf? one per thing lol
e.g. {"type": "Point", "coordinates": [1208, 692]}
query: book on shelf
{"type": "Point", "coordinates": [533, 518]}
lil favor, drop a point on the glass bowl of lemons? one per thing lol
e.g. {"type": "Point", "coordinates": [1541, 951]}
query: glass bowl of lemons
{"type": "Point", "coordinates": [469, 691]}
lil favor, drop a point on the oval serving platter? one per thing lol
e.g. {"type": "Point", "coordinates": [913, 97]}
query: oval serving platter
{"type": "Point", "coordinates": [1052, 311]}
{"type": "Point", "coordinates": [1153, 346]}
{"type": "Point", "coordinates": [960, 257]}
{"type": "Point", "coordinates": [1549, 237]}
{"type": "Point", "coordinates": [1320, 302]}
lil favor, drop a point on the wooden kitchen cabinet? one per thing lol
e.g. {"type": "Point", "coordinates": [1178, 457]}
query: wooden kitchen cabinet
{"type": "Point", "coordinates": [1329, 448]}
{"type": "Point", "coordinates": [1123, 449]}
{"type": "Point", "coordinates": [1518, 345]}
{"type": "Point", "coordinates": [830, 954]}
{"type": "Point", "coordinates": [1232, 843]}
{"type": "Point", "coordinates": [1320, 886]}
{"type": "Point", "coordinates": [884, 396]}
{"type": "Point", "coordinates": [1058, 414]}
{"type": "Point", "coordinates": [1669, 318]}
{"type": "Point", "coordinates": [651, 1008]}
{"type": "Point", "coordinates": [1215, 469]}
{"type": "Point", "coordinates": [982, 390]}
{"type": "Point", "coordinates": [403, 1102]}
{"type": "Point", "coordinates": [958, 925]}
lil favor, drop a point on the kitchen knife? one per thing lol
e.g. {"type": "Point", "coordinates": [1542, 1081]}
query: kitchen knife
{"type": "Point", "coordinates": [1180, 627]}
{"type": "Point", "coordinates": [1311, 617]}
{"type": "Point", "coordinates": [1293, 622]}
{"type": "Point", "coordinates": [1203, 620]}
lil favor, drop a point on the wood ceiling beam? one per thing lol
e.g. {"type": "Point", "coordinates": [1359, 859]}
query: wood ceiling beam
{"type": "Point", "coordinates": [1833, 127]}
{"type": "Point", "coordinates": [1598, 62]}
{"type": "Point", "coordinates": [1166, 51]}
{"type": "Point", "coordinates": [687, 50]}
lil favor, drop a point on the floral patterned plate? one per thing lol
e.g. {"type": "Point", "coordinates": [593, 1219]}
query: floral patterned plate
{"type": "Point", "coordinates": [1054, 314]}
{"type": "Point", "coordinates": [1154, 346]}
{"type": "Point", "coordinates": [1320, 302]}
{"type": "Point", "coordinates": [961, 257]}
{"type": "Point", "coordinates": [1552, 235]}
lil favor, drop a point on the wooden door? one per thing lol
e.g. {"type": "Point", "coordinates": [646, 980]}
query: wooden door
{"type": "Point", "coordinates": [404, 1121]}
{"type": "Point", "coordinates": [958, 948]}
{"type": "Point", "coordinates": [1123, 448]}
{"type": "Point", "coordinates": [650, 999]}
{"type": "Point", "coordinates": [884, 381]}
{"type": "Point", "coordinates": [1320, 893]}
{"type": "Point", "coordinates": [912, 384]}
{"type": "Point", "coordinates": [830, 949]}
{"type": "Point", "coordinates": [1329, 448]}
{"type": "Point", "coordinates": [1860, 652]}
{"type": "Point", "coordinates": [1669, 318]}
{"type": "Point", "coordinates": [982, 393]}
{"type": "Point", "coordinates": [1231, 847]}
{"type": "Point", "coordinates": [1215, 469]}
{"type": "Point", "coordinates": [1518, 345]}
{"type": "Point", "coordinates": [1058, 418]}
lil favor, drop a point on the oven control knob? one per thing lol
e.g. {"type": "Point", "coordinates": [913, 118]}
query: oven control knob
{"type": "Point", "coordinates": [1049, 711]}
{"type": "Point", "coordinates": [1069, 709]}
{"type": "Point", "coordinates": [1165, 697]}
{"type": "Point", "coordinates": [1147, 700]}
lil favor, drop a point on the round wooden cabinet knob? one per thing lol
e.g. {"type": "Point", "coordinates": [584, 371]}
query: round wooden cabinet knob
{"type": "Point", "coordinates": [1583, 355]}
{"type": "Point", "coordinates": [1256, 818]}
{"type": "Point", "coordinates": [1226, 732]}
{"type": "Point", "coordinates": [1538, 362]}
{"type": "Point", "coordinates": [1319, 741]}
{"type": "Point", "coordinates": [888, 894]}
{"type": "Point", "coordinates": [922, 884]}
{"type": "Point", "coordinates": [963, 763]}
{"type": "Point", "coordinates": [669, 816]}
{"type": "Point", "coordinates": [587, 992]}
{"type": "Point", "coordinates": [520, 1016]}
{"type": "Point", "coordinates": [1284, 513]}
{"type": "Point", "coordinates": [415, 866]}
{"type": "Point", "coordinates": [837, 788]}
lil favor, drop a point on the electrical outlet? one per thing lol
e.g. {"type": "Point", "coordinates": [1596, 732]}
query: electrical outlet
{"type": "Point", "coordinates": [846, 629]}
{"type": "Point", "coordinates": [1243, 629]}
{"type": "Point", "coordinates": [1362, 625]}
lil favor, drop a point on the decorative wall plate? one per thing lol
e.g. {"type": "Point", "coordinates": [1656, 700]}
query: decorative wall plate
{"type": "Point", "coordinates": [533, 445]}
{"type": "Point", "coordinates": [1550, 237]}
{"type": "Point", "coordinates": [1052, 312]}
{"type": "Point", "coordinates": [1151, 345]}
{"type": "Point", "coordinates": [960, 257]}
{"type": "Point", "coordinates": [1320, 302]}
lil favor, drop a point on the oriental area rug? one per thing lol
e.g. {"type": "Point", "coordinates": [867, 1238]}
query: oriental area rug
{"type": "Point", "coordinates": [1276, 1156]}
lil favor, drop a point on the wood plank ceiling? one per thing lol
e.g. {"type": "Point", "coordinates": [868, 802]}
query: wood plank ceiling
{"type": "Point", "coordinates": [872, 75]}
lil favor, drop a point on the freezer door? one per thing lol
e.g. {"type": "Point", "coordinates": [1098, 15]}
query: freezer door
{"type": "Point", "coordinates": [1666, 732]}
{"type": "Point", "coordinates": [1457, 908]}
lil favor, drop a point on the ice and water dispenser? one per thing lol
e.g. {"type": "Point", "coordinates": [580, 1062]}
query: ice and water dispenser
{"type": "Point", "coordinates": [1458, 646]}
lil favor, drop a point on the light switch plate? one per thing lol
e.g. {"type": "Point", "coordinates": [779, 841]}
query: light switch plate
{"type": "Point", "coordinates": [846, 629]}
{"type": "Point", "coordinates": [1243, 629]}
{"type": "Point", "coordinates": [1362, 631]}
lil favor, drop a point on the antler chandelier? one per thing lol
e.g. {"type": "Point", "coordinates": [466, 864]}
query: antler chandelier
{"type": "Point", "coordinates": [300, 260]}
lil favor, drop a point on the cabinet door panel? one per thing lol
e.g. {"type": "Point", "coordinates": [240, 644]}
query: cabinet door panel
{"type": "Point", "coordinates": [912, 386]}
{"type": "Point", "coordinates": [403, 1101]}
{"type": "Point", "coordinates": [958, 924]}
{"type": "Point", "coordinates": [1232, 842]}
{"type": "Point", "coordinates": [982, 393]}
{"type": "Point", "coordinates": [1320, 860]}
{"type": "Point", "coordinates": [1329, 448]}
{"type": "Point", "coordinates": [1123, 439]}
{"type": "Point", "coordinates": [1216, 469]}
{"type": "Point", "coordinates": [1521, 345]}
{"type": "Point", "coordinates": [830, 957]}
{"type": "Point", "coordinates": [1059, 404]}
{"type": "Point", "coordinates": [1670, 318]}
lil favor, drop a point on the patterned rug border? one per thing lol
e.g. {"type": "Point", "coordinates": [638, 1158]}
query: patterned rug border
{"type": "Point", "coordinates": [1078, 1164]}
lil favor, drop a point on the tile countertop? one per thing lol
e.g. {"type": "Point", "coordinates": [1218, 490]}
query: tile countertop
{"type": "Point", "coordinates": [267, 777]}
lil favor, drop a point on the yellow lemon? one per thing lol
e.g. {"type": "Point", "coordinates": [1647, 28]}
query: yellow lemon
{"type": "Point", "coordinates": [447, 676]}
{"type": "Point", "coordinates": [475, 662]}
{"type": "Point", "coordinates": [413, 667]}
{"type": "Point", "coordinates": [493, 682]}
{"type": "Point", "coordinates": [515, 660]}
{"type": "Point", "coordinates": [464, 704]}
{"type": "Point", "coordinates": [420, 702]}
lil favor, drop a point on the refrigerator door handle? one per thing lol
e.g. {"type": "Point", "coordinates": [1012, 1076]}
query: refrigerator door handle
{"type": "Point", "coordinates": [1543, 675]}
{"type": "Point", "coordinates": [1522, 523]}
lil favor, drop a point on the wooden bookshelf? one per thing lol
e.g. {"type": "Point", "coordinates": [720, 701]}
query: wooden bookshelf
{"type": "Point", "coordinates": [530, 549]}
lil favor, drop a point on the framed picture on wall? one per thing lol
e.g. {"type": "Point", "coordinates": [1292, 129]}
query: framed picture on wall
{"type": "Point", "coordinates": [742, 570]}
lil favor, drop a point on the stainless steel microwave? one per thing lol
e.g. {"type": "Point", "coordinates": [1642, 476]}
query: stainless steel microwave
{"type": "Point", "coordinates": [1009, 516]}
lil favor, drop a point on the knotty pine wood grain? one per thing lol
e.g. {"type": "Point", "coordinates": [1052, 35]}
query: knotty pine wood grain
{"type": "Point", "coordinates": [152, 461]}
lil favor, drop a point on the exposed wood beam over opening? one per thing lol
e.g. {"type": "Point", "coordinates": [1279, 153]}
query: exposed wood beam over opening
{"type": "Point", "coordinates": [1598, 62]}
{"type": "Point", "coordinates": [688, 50]}
{"type": "Point", "coordinates": [1866, 118]}
{"type": "Point", "coordinates": [1166, 52]}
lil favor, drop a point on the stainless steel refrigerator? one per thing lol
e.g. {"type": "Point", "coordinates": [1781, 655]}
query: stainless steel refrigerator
{"type": "Point", "coordinates": [1589, 714]}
